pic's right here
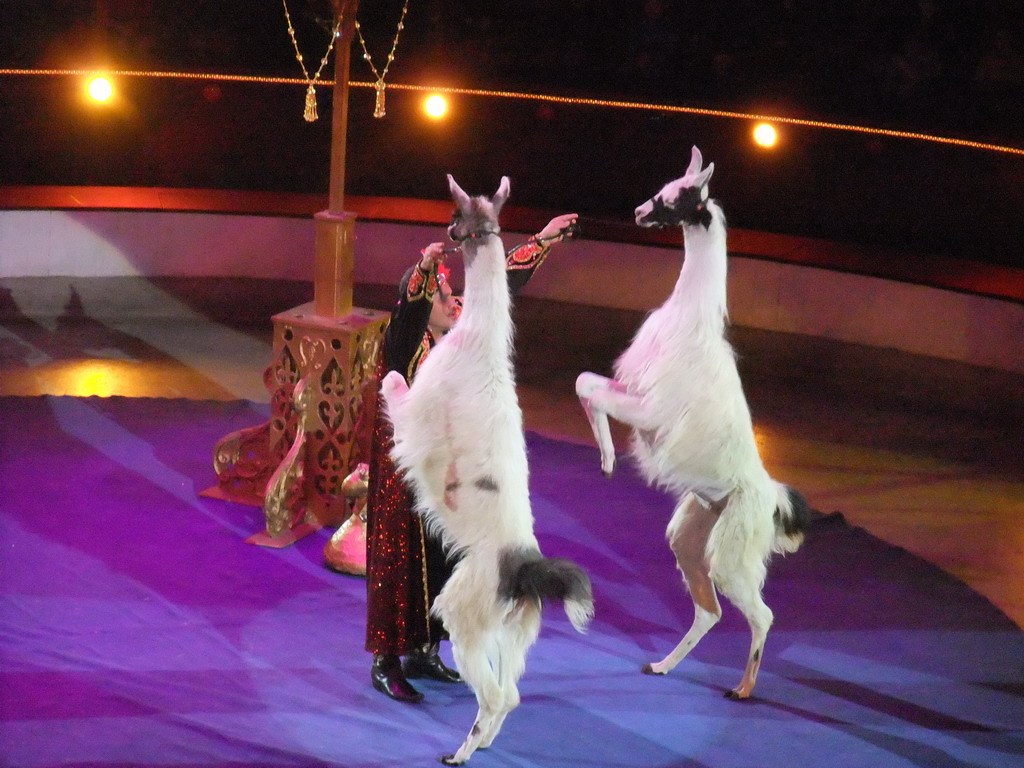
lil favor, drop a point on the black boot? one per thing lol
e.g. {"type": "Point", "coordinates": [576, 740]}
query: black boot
{"type": "Point", "coordinates": [386, 676]}
{"type": "Point", "coordinates": [427, 663]}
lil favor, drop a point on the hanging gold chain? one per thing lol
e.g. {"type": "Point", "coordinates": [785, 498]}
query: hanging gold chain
{"type": "Point", "coordinates": [379, 85]}
{"type": "Point", "coordinates": [310, 111]}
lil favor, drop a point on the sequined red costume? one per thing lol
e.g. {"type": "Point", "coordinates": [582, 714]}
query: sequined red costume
{"type": "Point", "coordinates": [399, 557]}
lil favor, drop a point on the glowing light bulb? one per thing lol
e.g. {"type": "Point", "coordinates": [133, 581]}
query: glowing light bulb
{"type": "Point", "coordinates": [765, 135]}
{"type": "Point", "coordinates": [435, 106]}
{"type": "Point", "coordinates": [100, 89]}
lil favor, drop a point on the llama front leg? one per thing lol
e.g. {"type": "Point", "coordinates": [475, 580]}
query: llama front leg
{"type": "Point", "coordinates": [603, 397]}
{"type": "Point", "coordinates": [393, 388]}
{"type": "Point", "coordinates": [586, 385]}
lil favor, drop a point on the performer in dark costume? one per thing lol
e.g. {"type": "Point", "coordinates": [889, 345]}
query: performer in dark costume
{"type": "Point", "coordinates": [405, 567]}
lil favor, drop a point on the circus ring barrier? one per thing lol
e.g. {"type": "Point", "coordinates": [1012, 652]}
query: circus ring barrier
{"type": "Point", "coordinates": [106, 248]}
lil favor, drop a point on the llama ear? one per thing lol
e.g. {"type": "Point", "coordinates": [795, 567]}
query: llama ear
{"type": "Point", "coordinates": [501, 195]}
{"type": "Point", "coordinates": [702, 178]}
{"type": "Point", "coordinates": [695, 162]}
{"type": "Point", "coordinates": [461, 198]}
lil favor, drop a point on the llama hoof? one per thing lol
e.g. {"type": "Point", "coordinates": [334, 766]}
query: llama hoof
{"type": "Point", "coordinates": [648, 669]}
{"type": "Point", "coordinates": [450, 760]}
{"type": "Point", "coordinates": [735, 695]}
{"type": "Point", "coordinates": [392, 385]}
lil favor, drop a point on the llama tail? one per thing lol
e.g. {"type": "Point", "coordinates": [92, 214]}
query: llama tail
{"type": "Point", "coordinates": [792, 518]}
{"type": "Point", "coordinates": [526, 574]}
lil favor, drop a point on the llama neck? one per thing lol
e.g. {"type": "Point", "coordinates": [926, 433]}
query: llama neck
{"type": "Point", "coordinates": [700, 291]}
{"type": "Point", "coordinates": [487, 305]}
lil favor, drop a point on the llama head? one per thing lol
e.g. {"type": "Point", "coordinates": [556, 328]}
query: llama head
{"type": "Point", "coordinates": [683, 201]}
{"type": "Point", "coordinates": [475, 217]}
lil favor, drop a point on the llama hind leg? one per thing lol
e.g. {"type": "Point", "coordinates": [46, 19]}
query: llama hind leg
{"type": "Point", "coordinates": [509, 701]}
{"type": "Point", "coordinates": [476, 670]}
{"type": "Point", "coordinates": [745, 594]}
{"type": "Point", "coordinates": [688, 533]}
{"type": "Point", "coordinates": [520, 633]}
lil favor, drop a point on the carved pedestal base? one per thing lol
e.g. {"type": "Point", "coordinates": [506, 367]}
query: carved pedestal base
{"type": "Point", "coordinates": [323, 397]}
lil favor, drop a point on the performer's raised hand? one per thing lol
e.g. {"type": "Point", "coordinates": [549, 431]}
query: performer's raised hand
{"type": "Point", "coordinates": [557, 228]}
{"type": "Point", "coordinates": [431, 255]}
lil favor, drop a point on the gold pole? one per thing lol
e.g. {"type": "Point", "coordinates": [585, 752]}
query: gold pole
{"type": "Point", "coordinates": [335, 228]}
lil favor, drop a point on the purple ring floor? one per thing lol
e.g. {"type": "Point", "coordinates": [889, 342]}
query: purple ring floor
{"type": "Point", "coordinates": [138, 629]}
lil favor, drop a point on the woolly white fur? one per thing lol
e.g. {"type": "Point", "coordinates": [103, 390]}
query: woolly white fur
{"type": "Point", "coordinates": [460, 424]}
{"type": "Point", "coordinates": [678, 386]}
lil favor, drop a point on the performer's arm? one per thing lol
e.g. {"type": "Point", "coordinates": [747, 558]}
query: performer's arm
{"type": "Point", "coordinates": [521, 262]}
{"type": "Point", "coordinates": [405, 333]}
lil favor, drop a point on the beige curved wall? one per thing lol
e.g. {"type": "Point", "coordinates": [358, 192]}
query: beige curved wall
{"type": "Point", "coordinates": [42, 252]}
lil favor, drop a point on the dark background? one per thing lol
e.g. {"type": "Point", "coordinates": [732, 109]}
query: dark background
{"type": "Point", "coordinates": [951, 68]}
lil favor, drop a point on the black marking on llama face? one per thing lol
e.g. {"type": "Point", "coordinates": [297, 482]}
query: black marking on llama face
{"type": "Point", "coordinates": [453, 225]}
{"type": "Point", "coordinates": [452, 487]}
{"type": "Point", "coordinates": [473, 222]}
{"type": "Point", "coordinates": [689, 207]}
{"type": "Point", "coordinates": [661, 215]}
{"type": "Point", "coordinates": [486, 483]}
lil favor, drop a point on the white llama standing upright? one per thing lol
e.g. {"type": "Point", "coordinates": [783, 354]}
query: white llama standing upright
{"type": "Point", "coordinates": [677, 386]}
{"type": "Point", "coordinates": [459, 440]}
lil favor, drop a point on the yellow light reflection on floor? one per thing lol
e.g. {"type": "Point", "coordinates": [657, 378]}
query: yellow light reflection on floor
{"type": "Point", "coordinates": [87, 377]}
{"type": "Point", "coordinates": [84, 378]}
{"type": "Point", "coordinates": [764, 439]}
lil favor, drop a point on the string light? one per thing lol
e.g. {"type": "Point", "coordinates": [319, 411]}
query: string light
{"type": "Point", "coordinates": [712, 113]}
{"type": "Point", "coordinates": [575, 100]}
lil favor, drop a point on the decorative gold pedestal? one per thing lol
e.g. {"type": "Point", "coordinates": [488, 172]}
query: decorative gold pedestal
{"type": "Point", "coordinates": [321, 407]}
{"type": "Point", "coordinates": [323, 400]}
